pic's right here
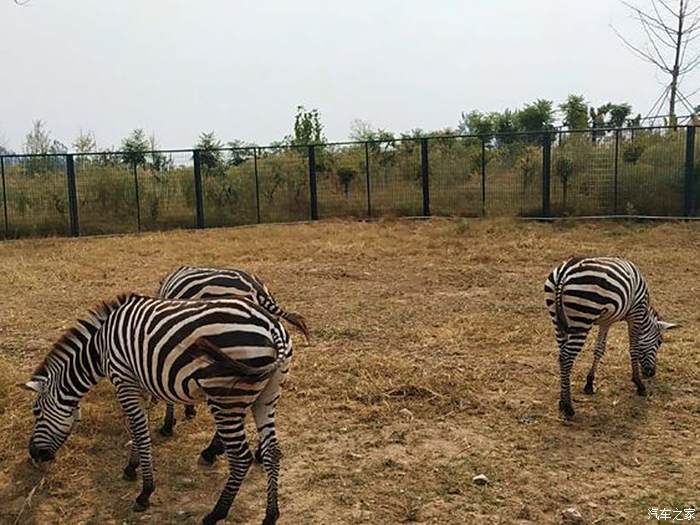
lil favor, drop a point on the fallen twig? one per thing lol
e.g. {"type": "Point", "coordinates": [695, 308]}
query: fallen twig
{"type": "Point", "coordinates": [28, 500]}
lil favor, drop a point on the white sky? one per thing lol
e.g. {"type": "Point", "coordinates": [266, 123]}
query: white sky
{"type": "Point", "coordinates": [240, 68]}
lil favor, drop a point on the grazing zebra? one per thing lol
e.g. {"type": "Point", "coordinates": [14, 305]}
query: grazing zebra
{"type": "Point", "coordinates": [585, 291]}
{"type": "Point", "coordinates": [229, 352]}
{"type": "Point", "coordinates": [188, 282]}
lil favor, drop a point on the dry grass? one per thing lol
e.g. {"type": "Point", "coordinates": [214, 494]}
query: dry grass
{"type": "Point", "coordinates": [444, 319]}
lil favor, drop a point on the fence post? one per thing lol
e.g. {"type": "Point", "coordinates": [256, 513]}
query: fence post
{"type": "Point", "coordinates": [690, 171]}
{"type": "Point", "coordinates": [72, 197]}
{"type": "Point", "coordinates": [546, 173]}
{"type": "Point", "coordinates": [483, 177]}
{"type": "Point", "coordinates": [312, 183]}
{"type": "Point", "coordinates": [198, 193]}
{"type": "Point", "coordinates": [4, 194]}
{"type": "Point", "coordinates": [257, 184]}
{"type": "Point", "coordinates": [369, 198]}
{"type": "Point", "coordinates": [616, 172]}
{"type": "Point", "coordinates": [425, 176]}
{"type": "Point", "coordinates": [138, 200]}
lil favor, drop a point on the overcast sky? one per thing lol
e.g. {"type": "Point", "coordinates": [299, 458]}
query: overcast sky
{"type": "Point", "coordinates": [240, 67]}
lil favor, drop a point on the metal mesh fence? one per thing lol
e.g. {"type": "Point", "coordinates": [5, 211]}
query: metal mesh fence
{"type": "Point", "coordinates": [395, 178]}
{"type": "Point", "coordinates": [106, 194]}
{"type": "Point", "coordinates": [166, 191]}
{"type": "Point", "coordinates": [652, 168]}
{"type": "Point", "coordinates": [116, 196]}
{"type": "Point", "coordinates": [5, 233]}
{"type": "Point", "coordinates": [583, 174]}
{"type": "Point", "coordinates": [592, 172]}
{"type": "Point", "coordinates": [342, 181]}
{"type": "Point", "coordinates": [696, 173]}
{"type": "Point", "coordinates": [229, 189]}
{"type": "Point", "coordinates": [514, 176]}
{"type": "Point", "coordinates": [283, 180]}
{"type": "Point", "coordinates": [455, 167]}
{"type": "Point", "coordinates": [36, 196]}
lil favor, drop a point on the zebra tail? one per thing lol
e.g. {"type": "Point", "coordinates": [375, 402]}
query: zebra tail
{"type": "Point", "coordinates": [562, 323]}
{"type": "Point", "coordinates": [222, 364]}
{"type": "Point", "coordinates": [298, 321]}
{"type": "Point", "coordinates": [295, 319]}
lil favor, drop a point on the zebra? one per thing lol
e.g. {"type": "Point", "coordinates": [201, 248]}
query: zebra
{"type": "Point", "coordinates": [189, 282]}
{"type": "Point", "coordinates": [584, 291]}
{"type": "Point", "coordinates": [229, 352]}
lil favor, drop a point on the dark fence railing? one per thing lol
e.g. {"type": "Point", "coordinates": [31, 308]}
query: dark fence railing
{"type": "Point", "coordinates": [628, 171]}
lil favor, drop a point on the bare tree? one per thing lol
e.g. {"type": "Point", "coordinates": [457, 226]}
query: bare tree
{"type": "Point", "coordinates": [669, 30]}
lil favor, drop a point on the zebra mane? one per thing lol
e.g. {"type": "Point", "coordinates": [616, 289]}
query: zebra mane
{"type": "Point", "coordinates": [76, 333]}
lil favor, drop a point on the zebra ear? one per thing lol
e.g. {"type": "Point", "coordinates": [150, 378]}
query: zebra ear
{"type": "Point", "coordinates": [36, 384]}
{"type": "Point", "coordinates": [668, 326]}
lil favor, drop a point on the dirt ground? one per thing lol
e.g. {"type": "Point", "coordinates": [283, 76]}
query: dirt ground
{"type": "Point", "coordinates": [433, 360]}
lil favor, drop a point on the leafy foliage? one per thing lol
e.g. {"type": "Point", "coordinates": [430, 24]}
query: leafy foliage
{"type": "Point", "coordinates": [134, 147]}
{"type": "Point", "coordinates": [210, 153]}
{"type": "Point", "coordinates": [307, 128]}
{"type": "Point", "coordinates": [85, 142]}
{"type": "Point", "coordinates": [536, 116]}
{"type": "Point", "coordinates": [345, 177]}
{"type": "Point", "coordinates": [575, 111]}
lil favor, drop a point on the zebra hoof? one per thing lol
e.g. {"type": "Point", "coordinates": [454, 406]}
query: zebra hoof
{"type": "Point", "coordinates": [205, 461]}
{"type": "Point", "coordinates": [211, 519]}
{"type": "Point", "coordinates": [129, 474]}
{"type": "Point", "coordinates": [641, 391]}
{"type": "Point", "coordinates": [271, 519]}
{"type": "Point", "coordinates": [139, 507]}
{"type": "Point", "coordinates": [588, 389]}
{"type": "Point", "coordinates": [190, 412]}
{"type": "Point", "coordinates": [566, 410]}
{"type": "Point", "coordinates": [166, 431]}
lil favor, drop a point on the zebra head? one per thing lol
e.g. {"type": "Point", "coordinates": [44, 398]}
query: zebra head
{"type": "Point", "coordinates": [651, 340]}
{"type": "Point", "coordinates": [53, 419]}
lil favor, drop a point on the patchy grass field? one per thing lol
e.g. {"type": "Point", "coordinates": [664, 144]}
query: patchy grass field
{"type": "Point", "coordinates": [432, 360]}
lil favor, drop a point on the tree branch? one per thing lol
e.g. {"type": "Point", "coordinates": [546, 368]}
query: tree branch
{"type": "Point", "coordinates": [659, 102]}
{"type": "Point", "coordinates": [645, 55]}
{"type": "Point", "coordinates": [685, 101]}
{"type": "Point", "coordinates": [653, 43]}
{"type": "Point", "coordinates": [670, 42]}
{"type": "Point", "coordinates": [691, 65]}
{"type": "Point", "coordinates": [668, 8]}
{"type": "Point", "coordinates": [658, 20]}
{"type": "Point", "coordinates": [693, 93]}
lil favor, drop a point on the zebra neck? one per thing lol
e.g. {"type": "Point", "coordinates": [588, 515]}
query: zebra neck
{"type": "Point", "coordinates": [74, 365]}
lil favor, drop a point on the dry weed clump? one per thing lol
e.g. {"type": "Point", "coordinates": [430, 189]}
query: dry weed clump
{"type": "Point", "coordinates": [432, 360]}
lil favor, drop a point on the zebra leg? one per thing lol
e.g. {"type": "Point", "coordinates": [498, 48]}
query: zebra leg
{"type": "Point", "coordinates": [169, 421]}
{"type": "Point", "coordinates": [264, 409]}
{"type": "Point", "coordinates": [268, 452]}
{"type": "Point", "coordinates": [598, 352]}
{"type": "Point", "coordinates": [190, 412]}
{"type": "Point", "coordinates": [634, 358]}
{"type": "Point", "coordinates": [129, 473]}
{"type": "Point", "coordinates": [131, 400]}
{"type": "Point", "coordinates": [229, 426]}
{"type": "Point", "coordinates": [216, 447]}
{"type": "Point", "coordinates": [570, 345]}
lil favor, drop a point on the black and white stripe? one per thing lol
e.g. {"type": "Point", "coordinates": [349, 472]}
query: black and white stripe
{"type": "Point", "coordinates": [189, 282]}
{"type": "Point", "coordinates": [583, 292]}
{"type": "Point", "coordinates": [228, 352]}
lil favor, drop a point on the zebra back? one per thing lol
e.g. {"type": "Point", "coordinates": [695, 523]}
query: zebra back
{"type": "Point", "coordinates": [188, 282]}
{"type": "Point", "coordinates": [594, 290]}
